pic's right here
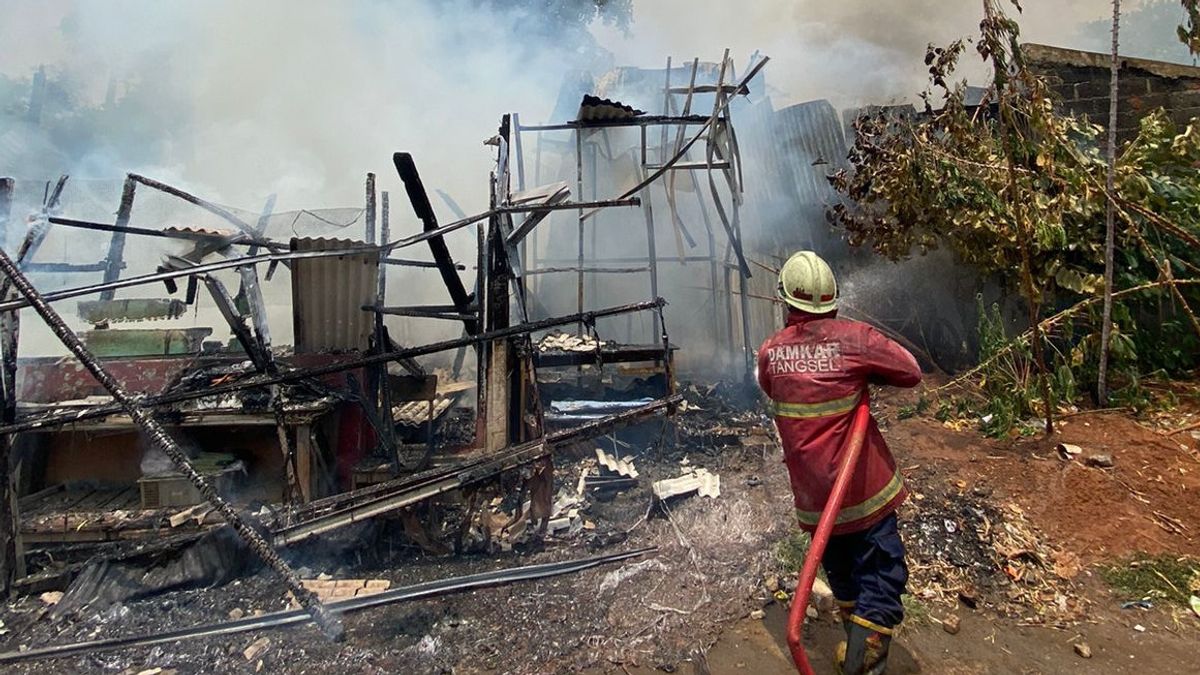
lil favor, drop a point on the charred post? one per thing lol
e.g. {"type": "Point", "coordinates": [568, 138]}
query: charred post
{"type": "Point", "coordinates": [10, 526]}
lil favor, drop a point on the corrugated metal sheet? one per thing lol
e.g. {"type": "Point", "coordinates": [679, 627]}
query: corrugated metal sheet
{"type": "Point", "coordinates": [416, 413]}
{"type": "Point", "coordinates": [596, 109]}
{"type": "Point", "coordinates": [812, 147]}
{"type": "Point", "coordinates": [328, 295]}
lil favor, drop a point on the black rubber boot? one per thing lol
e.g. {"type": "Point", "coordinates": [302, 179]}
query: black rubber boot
{"type": "Point", "coordinates": [866, 651]}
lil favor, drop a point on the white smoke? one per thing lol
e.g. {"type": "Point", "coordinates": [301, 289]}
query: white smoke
{"type": "Point", "coordinates": [850, 52]}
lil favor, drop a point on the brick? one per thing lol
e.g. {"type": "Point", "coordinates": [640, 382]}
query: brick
{"type": "Point", "coordinates": [1092, 89]}
{"type": "Point", "coordinates": [1182, 99]}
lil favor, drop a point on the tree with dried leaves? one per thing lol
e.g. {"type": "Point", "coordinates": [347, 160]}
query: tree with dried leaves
{"type": "Point", "coordinates": [1017, 189]}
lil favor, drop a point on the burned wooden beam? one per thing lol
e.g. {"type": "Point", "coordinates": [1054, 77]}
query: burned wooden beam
{"type": "Point", "coordinates": [116, 246]}
{"type": "Point", "coordinates": [448, 312]}
{"type": "Point", "coordinates": [212, 208]}
{"type": "Point", "coordinates": [237, 324]}
{"type": "Point", "coordinates": [383, 340]}
{"type": "Point", "coordinates": [387, 497]}
{"type": "Point", "coordinates": [6, 196]}
{"type": "Point", "coordinates": [10, 526]}
{"type": "Point", "coordinates": [157, 435]}
{"type": "Point", "coordinates": [60, 419]}
{"type": "Point", "coordinates": [407, 169]}
{"type": "Point", "coordinates": [156, 277]}
{"type": "Point", "coordinates": [184, 235]}
{"type": "Point", "coordinates": [65, 268]}
{"type": "Point", "coordinates": [403, 262]}
{"type": "Point", "coordinates": [166, 275]}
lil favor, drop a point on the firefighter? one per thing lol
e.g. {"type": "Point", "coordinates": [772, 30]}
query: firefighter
{"type": "Point", "coordinates": [815, 371]}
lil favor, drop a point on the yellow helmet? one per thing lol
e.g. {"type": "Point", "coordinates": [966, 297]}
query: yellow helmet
{"type": "Point", "coordinates": [806, 282]}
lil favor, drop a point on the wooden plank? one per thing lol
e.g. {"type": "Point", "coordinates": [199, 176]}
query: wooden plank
{"type": "Point", "coordinates": [117, 498]}
{"type": "Point", "coordinates": [94, 500]}
{"type": "Point", "coordinates": [304, 477]}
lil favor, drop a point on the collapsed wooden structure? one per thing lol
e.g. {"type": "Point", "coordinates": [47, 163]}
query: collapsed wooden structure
{"type": "Point", "coordinates": [150, 421]}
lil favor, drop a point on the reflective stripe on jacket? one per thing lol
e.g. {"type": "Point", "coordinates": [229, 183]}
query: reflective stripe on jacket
{"type": "Point", "coordinates": [814, 371]}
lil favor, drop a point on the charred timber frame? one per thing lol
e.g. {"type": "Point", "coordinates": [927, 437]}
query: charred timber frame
{"type": "Point", "coordinates": [60, 419]}
{"type": "Point", "coordinates": [11, 556]}
{"type": "Point", "coordinates": [715, 159]}
{"type": "Point", "coordinates": [508, 382]}
{"type": "Point", "coordinates": [352, 507]}
{"type": "Point", "coordinates": [284, 257]}
{"type": "Point", "coordinates": [328, 623]}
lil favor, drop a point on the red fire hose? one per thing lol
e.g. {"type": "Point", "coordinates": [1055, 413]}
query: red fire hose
{"type": "Point", "coordinates": [850, 453]}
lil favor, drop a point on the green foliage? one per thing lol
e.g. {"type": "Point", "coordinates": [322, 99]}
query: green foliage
{"type": "Point", "coordinates": [915, 611]}
{"type": "Point", "coordinates": [1015, 188]}
{"type": "Point", "coordinates": [1189, 33]}
{"type": "Point", "coordinates": [1163, 577]}
{"type": "Point", "coordinates": [1011, 391]}
{"type": "Point", "coordinates": [918, 408]}
{"type": "Point", "coordinates": [790, 550]}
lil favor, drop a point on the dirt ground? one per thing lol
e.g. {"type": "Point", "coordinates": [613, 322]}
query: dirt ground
{"type": "Point", "coordinates": [687, 607]}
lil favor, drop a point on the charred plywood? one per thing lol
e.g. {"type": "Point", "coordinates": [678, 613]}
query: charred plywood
{"type": "Point", "coordinates": [328, 295]}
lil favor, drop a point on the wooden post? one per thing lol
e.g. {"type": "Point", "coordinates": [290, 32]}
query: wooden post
{"type": "Point", "coordinates": [116, 245]}
{"type": "Point", "coordinates": [370, 213]}
{"type": "Point", "coordinates": [304, 462]}
{"type": "Point", "coordinates": [381, 336]}
{"type": "Point", "coordinates": [10, 525]}
{"type": "Point", "coordinates": [6, 193]}
{"type": "Point", "coordinates": [497, 274]}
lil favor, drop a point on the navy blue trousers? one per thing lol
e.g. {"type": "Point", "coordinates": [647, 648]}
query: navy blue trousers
{"type": "Point", "coordinates": [866, 571]}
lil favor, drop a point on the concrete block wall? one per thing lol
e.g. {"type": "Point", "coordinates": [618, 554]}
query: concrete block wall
{"type": "Point", "coordinates": [1081, 81]}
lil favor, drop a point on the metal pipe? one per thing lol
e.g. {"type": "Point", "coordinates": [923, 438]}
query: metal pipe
{"type": "Point", "coordinates": [329, 624]}
{"type": "Point", "coordinates": [640, 121]}
{"type": "Point", "coordinates": [579, 192]}
{"type": "Point", "coordinates": [426, 589]}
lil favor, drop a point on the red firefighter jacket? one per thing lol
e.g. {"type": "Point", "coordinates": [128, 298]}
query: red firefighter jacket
{"type": "Point", "coordinates": [814, 371]}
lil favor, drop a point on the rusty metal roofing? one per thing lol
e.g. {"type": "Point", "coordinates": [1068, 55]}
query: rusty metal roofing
{"type": "Point", "coordinates": [328, 295]}
{"type": "Point", "coordinates": [811, 146]}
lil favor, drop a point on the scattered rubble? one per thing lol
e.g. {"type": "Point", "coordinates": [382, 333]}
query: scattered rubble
{"type": "Point", "coordinates": [951, 624]}
{"type": "Point", "coordinates": [257, 649]}
{"type": "Point", "coordinates": [697, 479]}
{"type": "Point", "coordinates": [567, 342]}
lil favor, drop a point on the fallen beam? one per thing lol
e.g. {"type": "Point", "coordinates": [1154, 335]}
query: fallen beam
{"type": "Point", "coordinates": [407, 170]}
{"type": "Point", "coordinates": [377, 500]}
{"type": "Point", "coordinates": [69, 417]}
{"type": "Point", "coordinates": [212, 208]}
{"type": "Point", "coordinates": [158, 436]}
{"type": "Point", "coordinates": [183, 235]}
{"type": "Point", "coordinates": [294, 617]}
{"type": "Point", "coordinates": [286, 256]}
